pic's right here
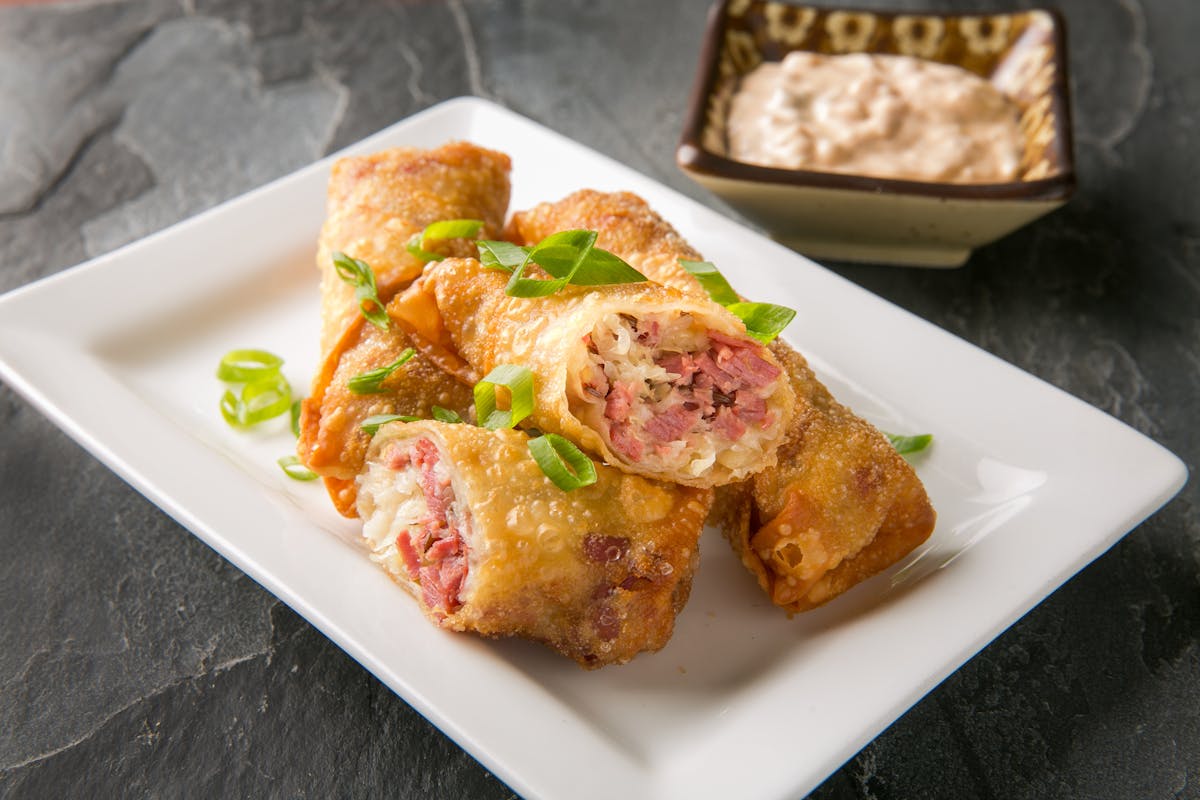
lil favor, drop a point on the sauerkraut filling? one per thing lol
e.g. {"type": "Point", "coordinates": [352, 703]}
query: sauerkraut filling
{"type": "Point", "coordinates": [415, 525]}
{"type": "Point", "coordinates": [667, 393]}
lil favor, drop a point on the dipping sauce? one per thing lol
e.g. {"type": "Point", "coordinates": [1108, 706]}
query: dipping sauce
{"type": "Point", "coordinates": [881, 115]}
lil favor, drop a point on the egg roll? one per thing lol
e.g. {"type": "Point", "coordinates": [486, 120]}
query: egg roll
{"type": "Point", "coordinates": [375, 204]}
{"type": "Point", "coordinates": [655, 382]}
{"type": "Point", "coordinates": [840, 504]}
{"type": "Point", "coordinates": [465, 520]}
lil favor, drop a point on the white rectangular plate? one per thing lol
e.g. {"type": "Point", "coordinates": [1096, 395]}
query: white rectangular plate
{"type": "Point", "coordinates": [1030, 485]}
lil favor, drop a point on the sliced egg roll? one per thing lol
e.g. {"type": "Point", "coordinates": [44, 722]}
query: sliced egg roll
{"type": "Point", "coordinates": [332, 442]}
{"type": "Point", "coordinates": [377, 202]}
{"type": "Point", "coordinates": [465, 520]}
{"type": "Point", "coordinates": [655, 382]}
{"type": "Point", "coordinates": [840, 504]}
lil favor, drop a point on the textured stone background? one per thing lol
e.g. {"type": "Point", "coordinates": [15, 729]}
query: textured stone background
{"type": "Point", "coordinates": [135, 662]}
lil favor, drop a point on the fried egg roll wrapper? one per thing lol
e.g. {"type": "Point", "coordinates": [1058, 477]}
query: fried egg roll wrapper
{"type": "Point", "coordinates": [841, 504]}
{"type": "Point", "coordinates": [655, 382]}
{"type": "Point", "coordinates": [464, 519]}
{"type": "Point", "coordinates": [377, 202]}
{"type": "Point", "coordinates": [332, 442]}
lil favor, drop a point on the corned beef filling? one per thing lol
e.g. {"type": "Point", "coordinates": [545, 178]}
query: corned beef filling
{"type": "Point", "coordinates": [429, 541]}
{"type": "Point", "coordinates": [664, 389]}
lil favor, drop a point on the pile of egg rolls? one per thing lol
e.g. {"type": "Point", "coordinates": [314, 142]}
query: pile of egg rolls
{"type": "Point", "coordinates": [684, 415]}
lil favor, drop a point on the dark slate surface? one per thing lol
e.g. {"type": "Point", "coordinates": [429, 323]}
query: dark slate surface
{"type": "Point", "coordinates": [135, 662]}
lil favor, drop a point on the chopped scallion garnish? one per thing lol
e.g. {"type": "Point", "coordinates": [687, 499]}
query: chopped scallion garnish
{"type": "Point", "coordinates": [712, 280]}
{"type": "Point", "coordinates": [564, 464]}
{"type": "Point", "coordinates": [763, 321]}
{"type": "Point", "coordinates": [907, 445]}
{"type": "Point", "coordinates": [372, 382]}
{"type": "Point", "coordinates": [264, 392]}
{"type": "Point", "coordinates": [373, 423]}
{"type": "Point", "coordinates": [359, 275]}
{"type": "Point", "coordinates": [446, 415]}
{"type": "Point", "coordinates": [295, 469]}
{"type": "Point", "coordinates": [570, 257]}
{"type": "Point", "coordinates": [258, 402]}
{"type": "Point", "coordinates": [296, 418]}
{"type": "Point", "coordinates": [443, 229]}
{"type": "Point", "coordinates": [248, 365]}
{"type": "Point", "coordinates": [519, 382]}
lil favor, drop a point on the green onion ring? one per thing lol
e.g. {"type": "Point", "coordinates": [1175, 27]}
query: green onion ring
{"type": "Point", "coordinates": [564, 464]}
{"type": "Point", "coordinates": [295, 469]}
{"type": "Point", "coordinates": [296, 418]}
{"type": "Point", "coordinates": [258, 402]}
{"type": "Point", "coordinates": [248, 365]}
{"type": "Point", "coordinates": [446, 415]}
{"type": "Point", "coordinates": [519, 382]}
{"type": "Point", "coordinates": [443, 229]}
{"type": "Point", "coordinates": [372, 382]}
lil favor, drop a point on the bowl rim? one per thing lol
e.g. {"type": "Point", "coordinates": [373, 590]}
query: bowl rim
{"type": "Point", "coordinates": [694, 158]}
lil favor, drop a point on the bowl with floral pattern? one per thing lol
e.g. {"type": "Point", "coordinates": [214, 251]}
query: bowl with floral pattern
{"type": "Point", "coordinates": [852, 216]}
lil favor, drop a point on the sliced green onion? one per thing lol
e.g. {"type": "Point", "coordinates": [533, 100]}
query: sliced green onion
{"type": "Point", "coordinates": [373, 423]}
{"type": "Point", "coordinates": [764, 321]}
{"type": "Point", "coordinates": [570, 257]}
{"type": "Point", "coordinates": [907, 445]}
{"type": "Point", "coordinates": [372, 382]}
{"type": "Point", "coordinates": [446, 415]}
{"type": "Point", "coordinates": [443, 229]}
{"type": "Point", "coordinates": [502, 255]}
{"type": "Point", "coordinates": [258, 402]}
{"type": "Point", "coordinates": [296, 418]}
{"type": "Point", "coordinates": [564, 464]}
{"type": "Point", "coordinates": [232, 410]}
{"type": "Point", "coordinates": [519, 382]}
{"type": "Point", "coordinates": [560, 254]}
{"type": "Point", "coordinates": [359, 275]}
{"type": "Point", "coordinates": [712, 280]}
{"type": "Point", "coordinates": [295, 469]}
{"type": "Point", "coordinates": [248, 365]}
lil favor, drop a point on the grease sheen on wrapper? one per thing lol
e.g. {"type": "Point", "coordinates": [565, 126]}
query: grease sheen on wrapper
{"type": "Point", "coordinates": [655, 382]}
{"type": "Point", "coordinates": [465, 520]}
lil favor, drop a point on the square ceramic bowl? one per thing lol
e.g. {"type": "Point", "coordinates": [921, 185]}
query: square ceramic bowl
{"type": "Point", "coordinates": [862, 218]}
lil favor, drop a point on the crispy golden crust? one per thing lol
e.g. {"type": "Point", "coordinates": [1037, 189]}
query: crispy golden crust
{"type": "Point", "coordinates": [598, 574]}
{"type": "Point", "coordinates": [375, 204]}
{"type": "Point", "coordinates": [840, 505]}
{"type": "Point", "coordinates": [332, 442]}
{"type": "Point", "coordinates": [485, 327]}
{"type": "Point", "coordinates": [378, 201]}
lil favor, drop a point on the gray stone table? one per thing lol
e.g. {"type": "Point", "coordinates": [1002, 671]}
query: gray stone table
{"type": "Point", "coordinates": [136, 662]}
